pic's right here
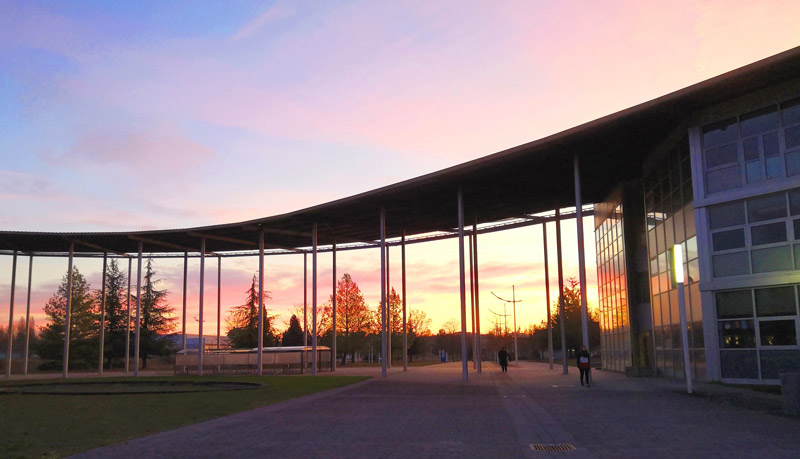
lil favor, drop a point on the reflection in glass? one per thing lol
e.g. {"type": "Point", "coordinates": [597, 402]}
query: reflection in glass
{"type": "Point", "coordinates": [778, 332]}
{"type": "Point", "coordinates": [734, 303]}
{"type": "Point", "coordinates": [760, 121]}
{"type": "Point", "coordinates": [768, 234]}
{"type": "Point", "coordinates": [725, 215]}
{"type": "Point", "coordinates": [737, 334]}
{"type": "Point", "coordinates": [772, 259]}
{"type": "Point", "coordinates": [776, 301]}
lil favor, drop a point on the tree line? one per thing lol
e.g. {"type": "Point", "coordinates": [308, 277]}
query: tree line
{"type": "Point", "coordinates": [358, 326]}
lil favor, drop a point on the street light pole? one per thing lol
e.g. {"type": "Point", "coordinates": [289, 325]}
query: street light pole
{"type": "Point", "coordinates": [514, 302]}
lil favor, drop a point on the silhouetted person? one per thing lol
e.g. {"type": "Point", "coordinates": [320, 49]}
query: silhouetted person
{"type": "Point", "coordinates": [502, 356]}
{"type": "Point", "coordinates": [585, 365]}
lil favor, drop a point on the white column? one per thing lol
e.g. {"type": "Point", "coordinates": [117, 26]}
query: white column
{"type": "Point", "coordinates": [200, 345]}
{"type": "Point", "coordinates": [11, 315]}
{"type": "Point", "coordinates": [314, 301]}
{"type": "Point", "coordinates": [68, 312]}
{"type": "Point", "coordinates": [183, 318]}
{"type": "Point", "coordinates": [219, 297]}
{"type": "Point", "coordinates": [28, 317]}
{"type": "Point", "coordinates": [128, 321]}
{"type": "Point", "coordinates": [103, 316]}
{"type": "Point", "coordinates": [403, 276]}
{"type": "Point", "coordinates": [462, 283]}
{"type": "Point", "coordinates": [561, 294]}
{"type": "Point", "coordinates": [333, 330]}
{"type": "Point", "coordinates": [383, 292]}
{"type": "Point", "coordinates": [581, 255]}
{"type": "Point", "coordinates": [547, 297]}
{"type": "Point", "coordinates": [477, 293]}
{"type": "Point", "coordinates": [139, 311]}
{"type": "Point", "coordinates": [259, 359]}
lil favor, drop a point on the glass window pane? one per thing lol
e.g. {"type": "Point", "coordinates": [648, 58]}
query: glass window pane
{"type": "Point", "coordinates": [720, 133]}
{"type": "Point", "coordinates": [736, 303]}
{"type": "Point", "coordinates": [792, 163]}
{"type": "Point", "coordinates": [726, 240]}
{"type": "Point", "coordinates": [791, 111]}
{"type": "Point", "coordinates": [694, 271]}
{"type": "Point", "coordinates": [691, 248]}
{"type": "Point", "coordinates": [753, 171]}
{"type": "Point", "coordinates": [751, 149]}
{"type": "Point", "coordinates": [774, 362]}
{"type": "Point", "coordinates": [720, 156]}
{"type": "Point", "coordinates": [778, 332]}
{"type": "Point", "coordinates": [737, 334]}
{"type": "Point", "coordinates": [724, 179]}
{"type": "Point", "coordinates": [768, 234]}
{"type": "Point", "coordinates": [773, 166]}
{"type": "Point", "coordinates": [794, 202]}
{"type": "Point", "coordinates": [766, 208]}
{"type": "Point", "coordinates": [779, 301]}
{"type": "Point", "coordinates": [771, 145]}
{"type": "Point", "coordinates": [797, 256]}
{"type": "Point", "coordinates": [792, 136]}
{"type": "Point", "coordinates": [739, 364]}
{"type": "Point", "coordinates": [772, 259]}
{"type": "Point", "coordinates": [725, 215]}
{"type": "Point", "coordinates": [759, 121]}
{"type": "Point", "coordinates": [731, 264]}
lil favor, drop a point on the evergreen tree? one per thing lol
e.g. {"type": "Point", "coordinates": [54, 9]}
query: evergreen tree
{"type": "Point", "coordinates": [572, 319]}
{"type": "Point", "coordinates": [83, 326]}
{"type": "Point", "coordinates": [156, 318]}
{"type": "Point", "coordinates": [293, 336]}
{"type": "Point", "coordinates": [116, 324]}
{"type": "Point", "coordinates": [243, 321]}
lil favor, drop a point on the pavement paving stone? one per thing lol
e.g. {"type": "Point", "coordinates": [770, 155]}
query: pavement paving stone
{"type": "Point", "coordinates": [431, 412]}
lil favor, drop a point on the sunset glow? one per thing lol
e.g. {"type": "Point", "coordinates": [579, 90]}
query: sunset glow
{"type": "Point", "coordinates": [155, 115]}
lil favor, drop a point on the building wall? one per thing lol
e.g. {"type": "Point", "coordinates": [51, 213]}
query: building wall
{"type": "Point", "coordinates": [745, 157]}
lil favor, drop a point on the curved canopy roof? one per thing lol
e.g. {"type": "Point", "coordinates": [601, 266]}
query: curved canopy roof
{"type": "Point", "coordinates": [530, 178]}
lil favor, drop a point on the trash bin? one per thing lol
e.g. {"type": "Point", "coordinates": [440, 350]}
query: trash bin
{"type": "Point", "coordinates": [790, 388]}
{"type": "Point", "coordinates": [443, 356]}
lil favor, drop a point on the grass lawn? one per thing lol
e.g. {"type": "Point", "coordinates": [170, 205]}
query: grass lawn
{"type": "Point", "coordinates": [60, 425]}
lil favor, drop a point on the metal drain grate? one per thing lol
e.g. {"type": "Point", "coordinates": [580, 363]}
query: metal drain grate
{"type": "Point", "coordinates": [557, 447]}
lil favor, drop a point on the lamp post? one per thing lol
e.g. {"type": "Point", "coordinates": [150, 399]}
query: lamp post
{"type": "Point", "coordinates": [514, 302]}
{"type": "Point", "coordinates": [679, 279]}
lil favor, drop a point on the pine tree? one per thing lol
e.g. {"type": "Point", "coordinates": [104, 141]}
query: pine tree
{"type": "Point", "coordinates": [156, 318]}
{"type": "Point", "coordinates": [243, 321]}
{"type": "Point", "coordinates": [293, 336]}
{"type": "Point", "coordinates": [116, 324]}
{"type": "Point", "coordinates": [83, 347]}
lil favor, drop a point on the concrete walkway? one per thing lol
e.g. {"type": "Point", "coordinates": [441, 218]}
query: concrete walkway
{"type": "Point", "coordinates": [430, 412]}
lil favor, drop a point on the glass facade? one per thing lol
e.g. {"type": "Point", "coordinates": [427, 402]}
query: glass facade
{"type": "Point", "coordinates": [752, 148]}
{"type": "Point", "coordinates": [757, 332]}
{"type": "Point", "coordinates": [670, 221]}
{"type": "Point", "coordinates": [615, 329]}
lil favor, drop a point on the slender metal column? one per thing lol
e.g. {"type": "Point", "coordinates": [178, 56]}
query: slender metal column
{"type": "Point", "coordinates": [547, 298]}
{"type": "Point", "coordinates": [259, 359]}
{"type": "Point", "coordinates": [463, 286]}
{"type": "Point", "coordinates": [516, 333]}
{"type": "Point", "coordinates": [680, 279]}
{"type": "Point", "coordinates": [183, 326]}
{"type": "Point", "coordinates": [561, 294]}
{"type": "Point", "coordinates": [333, 330]}
{"type": "Point", "coordinates": [103, 316]}
{"type": "Point", "coordinates": [28, 317]}
{"type": "Point", "coordinates": [581, 255]}
{"type": "Point", "coordinates": [305, 300]}
{"type": "Point", "coordinates": [139, 312]}
{"type": "Point", "coordinates": [128, 322]}
{"type": "Point", "coordinates": [479, 347]}
{"type": "Point", "coordinates": [314, 301]}
{"type": "Point", "coordinates": [68, 311]}
{"type": "Point", "coordinates": [403, 277]}
{"type": "Point", "coordinates": [201, 348]}
{"type": "Point", "coordinates": [472, 305]}
{"type": "Point", "coordinates": [219, 297]}
{"type": "Point", "coordinates": [11, 315]}
{"type": "Point", "coordinates": [389, 331]}
{"type": "Point", "coordinates": [383, 292]}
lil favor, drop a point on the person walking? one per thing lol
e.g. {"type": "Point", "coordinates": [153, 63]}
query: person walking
{"type": "Point", "coordinates": [585, 365]}
{"type": "Point", "coordinates": [502, 356]}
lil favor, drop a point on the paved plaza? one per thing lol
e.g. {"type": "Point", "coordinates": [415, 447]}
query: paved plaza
{"type": "Point", "coordinates": [430, 412]}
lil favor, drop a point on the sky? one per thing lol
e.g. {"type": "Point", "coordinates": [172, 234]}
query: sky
{"type": "Point", "coordinates": [143, 115]}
